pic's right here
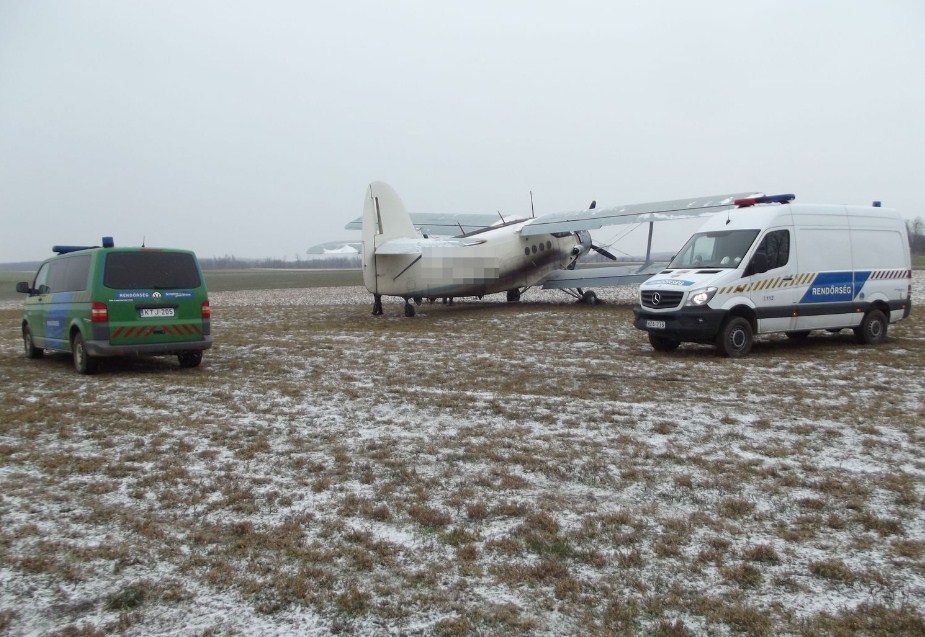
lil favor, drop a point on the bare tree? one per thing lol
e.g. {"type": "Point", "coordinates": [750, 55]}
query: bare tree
{"type": "Point", "coordinates": [916, 229]}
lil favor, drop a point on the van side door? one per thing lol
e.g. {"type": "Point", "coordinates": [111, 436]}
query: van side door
{"type": "Point", "coordinates": [35, 306]}
{"type": "Point", "coordinates": [771, 287]}
{"type": "Point", "coordinates": [827, 276]}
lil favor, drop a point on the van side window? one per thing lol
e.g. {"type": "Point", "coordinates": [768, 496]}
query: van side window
{"type": "Point", "coordinates": [776, 247]}
{"type": "Point", "coordinates": [40, 285]}
{"type": "Point", "coordinates": [69, 275]}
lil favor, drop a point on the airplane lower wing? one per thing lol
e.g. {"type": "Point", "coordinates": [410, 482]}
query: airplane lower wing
{"type": "Point", "coordinates": [600, 276]}
{"type": "Point", "coordinates": [594, 218]}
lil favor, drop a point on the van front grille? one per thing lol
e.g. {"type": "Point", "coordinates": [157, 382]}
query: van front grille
{"type": "Point", "coordinates": [661, 300]}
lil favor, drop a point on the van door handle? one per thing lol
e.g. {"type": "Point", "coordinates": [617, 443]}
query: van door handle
{"type": "Point", "coordinates": [787, 278]}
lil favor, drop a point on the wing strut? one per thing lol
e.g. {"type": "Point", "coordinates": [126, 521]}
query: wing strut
{"type": "Point", "coordinates": [649, 246]}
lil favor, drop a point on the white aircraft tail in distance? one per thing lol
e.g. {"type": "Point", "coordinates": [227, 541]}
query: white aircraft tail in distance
{"type": "Point", "coordinates": [509, 256]}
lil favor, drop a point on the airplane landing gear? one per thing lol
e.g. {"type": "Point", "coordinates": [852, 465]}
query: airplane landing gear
{"type": "Point", "coordinates": [589, 298]}
{"type": "Point", "coordinates": [585, 297]}
{"type": "Point", "coordinates": [377, 305]}
{"type": "Point", "coordinates": [513, 296]}
{"type": "Point", "coordinates": [409, 309]}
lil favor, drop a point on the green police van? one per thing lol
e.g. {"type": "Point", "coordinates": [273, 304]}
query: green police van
{"type": "Point", "coordinates": [112, 301]}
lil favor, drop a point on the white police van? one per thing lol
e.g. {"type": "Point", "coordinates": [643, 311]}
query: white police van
{"type": "Point", "coordinates": [770, 265]}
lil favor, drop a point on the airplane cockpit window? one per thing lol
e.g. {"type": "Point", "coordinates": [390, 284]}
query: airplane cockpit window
{"type": "Point", "coordinates": [722, 249]}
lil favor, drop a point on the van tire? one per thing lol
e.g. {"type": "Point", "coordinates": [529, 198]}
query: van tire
{"type": "Point", "coordinates": [735, 337]}
{"type": "Point", "coordinates": [190, 359]}
{"type": "Point", "coordinates": [28, 345]}
{"type": "Point", "coordinates": [83, 362]}
{"type": "Point", "coordinates": [872, 330]}
{"type": "Point", "coordinates": [663, 343]}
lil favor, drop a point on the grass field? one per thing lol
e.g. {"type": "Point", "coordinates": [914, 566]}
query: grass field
{"type": "Point", "coordinates": [481, 469]}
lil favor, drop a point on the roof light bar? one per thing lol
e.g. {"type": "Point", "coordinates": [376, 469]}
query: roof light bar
{"type": "Point", "coordinates": [107, 243]}
{"type": "Point", "coordinates": [751, 201]}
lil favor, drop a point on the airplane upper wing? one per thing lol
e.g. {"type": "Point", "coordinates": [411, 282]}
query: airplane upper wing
{"type": "Point", "coordinates": [442, 224]}
{"type": "Point", "coordinates": [633, 213]}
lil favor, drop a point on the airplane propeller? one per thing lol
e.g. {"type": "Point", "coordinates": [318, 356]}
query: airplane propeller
{"type": "Point", "coordinates": [603, 252]}
{"type": "Point", "coordinates": [585, 238]}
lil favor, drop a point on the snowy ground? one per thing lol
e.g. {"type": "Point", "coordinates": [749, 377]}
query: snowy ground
{"type": "Point", "coordinates": [479, 469]}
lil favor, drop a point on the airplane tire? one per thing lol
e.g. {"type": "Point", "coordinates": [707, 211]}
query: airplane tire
{"type": "Point", "coordinates": [409, 310]}
{"type": "Point", "coordinates": [589, 298]}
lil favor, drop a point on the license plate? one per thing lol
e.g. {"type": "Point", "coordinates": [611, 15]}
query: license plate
{"type": "Point", "coordinates": [155, 312]}
{"type": "Point", "coordinates": [655, 325]}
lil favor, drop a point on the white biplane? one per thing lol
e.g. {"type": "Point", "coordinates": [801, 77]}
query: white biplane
{"type": "Point", "coordinates": [401, 257]}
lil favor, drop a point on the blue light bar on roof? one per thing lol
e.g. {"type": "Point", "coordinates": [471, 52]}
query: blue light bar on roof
{"type": "Point", "coordinates": [751, 201]}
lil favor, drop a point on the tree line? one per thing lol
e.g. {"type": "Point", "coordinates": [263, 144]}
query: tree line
{"type": "Point", "coordinates": [320, 262]}
{"type": "Point", "coordinates": [916, 229]}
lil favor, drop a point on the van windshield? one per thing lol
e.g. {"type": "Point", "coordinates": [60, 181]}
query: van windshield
{"type": "Point", "coordinates": [720, 249]}
{"type": "Point", "coordinates": [149, 270]}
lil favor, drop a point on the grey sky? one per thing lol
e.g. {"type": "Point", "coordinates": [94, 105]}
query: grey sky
{"type": "Point", "coordinates": [253, 128]}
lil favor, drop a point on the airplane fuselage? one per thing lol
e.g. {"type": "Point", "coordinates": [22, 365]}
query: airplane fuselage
{"type": "Point", "coordinates": [493, 260]}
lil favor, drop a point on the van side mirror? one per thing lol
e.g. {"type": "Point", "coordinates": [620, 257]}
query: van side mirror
{"type": "Point", "coordinates": [23, 288]}
{"type": "Point", "coordinates": [758, 265]}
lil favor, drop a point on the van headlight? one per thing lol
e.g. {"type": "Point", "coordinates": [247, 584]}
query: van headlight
{"type": "Point", "coordinates": [701, 297]}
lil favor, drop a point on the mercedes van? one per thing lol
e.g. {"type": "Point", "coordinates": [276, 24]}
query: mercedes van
{"type": "Point", "coordinates": [771, 265]}
{"type": "Point", "coordinates": [102, 301]}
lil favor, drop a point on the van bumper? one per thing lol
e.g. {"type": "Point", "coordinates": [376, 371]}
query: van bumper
{"type": "Point", "coordinates": [104, 348]}
{"type": "Point", "coordinates": [694, 325]}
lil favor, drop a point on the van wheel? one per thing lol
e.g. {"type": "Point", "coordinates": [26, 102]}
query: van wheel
{"type": "Point", "coordinates": [872, 329]}
{"type": "Point", "coordinates": [83, 362]}
{"type": "Point", "coordinates": [663, 343]}
{"type": "Point", "coordinates": [190, 359]}
{"type": "Point", "coordinates": [735, 337]}
{"type": "Point", "coordinates": [28, 345]}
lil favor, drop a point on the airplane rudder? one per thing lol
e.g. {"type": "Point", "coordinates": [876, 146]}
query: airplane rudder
{"type": "Point", "coordinates": [387, 211]}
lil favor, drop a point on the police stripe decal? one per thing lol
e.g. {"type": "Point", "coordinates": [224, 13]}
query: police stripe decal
{"type": "Point", "coordinates": [827, 279]}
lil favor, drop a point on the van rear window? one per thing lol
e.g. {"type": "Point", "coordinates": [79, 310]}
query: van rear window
{"type": "Point", "coordinates": [150, 270]}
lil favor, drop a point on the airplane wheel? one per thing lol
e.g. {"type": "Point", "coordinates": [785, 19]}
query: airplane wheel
{"type": "Point", "coordinates": [589, 298]}
{"type": "Point", "coordinates": [409, 310]}
{"type": "Point", "coordinates": [418, 300]}
{"type": "Point", "coordinates": [513, 296]}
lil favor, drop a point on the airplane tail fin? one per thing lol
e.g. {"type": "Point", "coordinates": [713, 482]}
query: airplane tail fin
{"type": "Point", "coordinates": [384, 214]}
{"type": "Point", "coordinates": [384, 219]}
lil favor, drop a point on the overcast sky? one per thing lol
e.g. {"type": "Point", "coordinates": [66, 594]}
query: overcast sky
{"type": "Point", "coordinates": [252, 128]}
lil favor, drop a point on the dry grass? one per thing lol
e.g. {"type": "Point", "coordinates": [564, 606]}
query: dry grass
{"type": "Point", "coordinates": [480, 469]}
